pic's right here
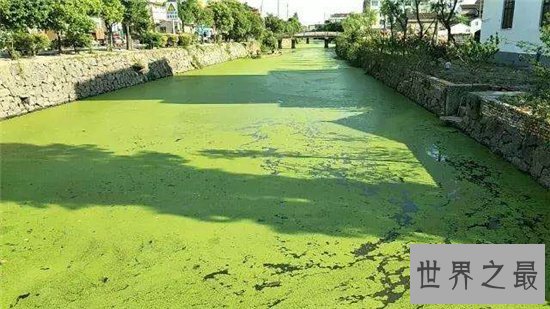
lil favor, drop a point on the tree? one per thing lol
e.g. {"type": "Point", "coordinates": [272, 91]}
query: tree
{"type": "Point", "coordinates": [136, 19]}
{"type": "Point", "coordinates": [78, 34]}
{"type": "Point", "coordinates": [205, 17]}
{"type": "Point", "coordinates": [398, 14]}
{"type": "Point", "coordinates": [331, 26]}
{"type": "Point", "coordinates": [222, 17]}
{"type": "Point", "coordinates": [417, 4]}
{"type": "Point", "coordinates": [257, 26]}
{"type": "Point", "coordinates": [275, 24]}
{"type": "Point", "coordinates": [269, 41]}
{"type": "Point", "coordinates": [293, 25]}
{"type": "Point", "coordinates": [446, 13]}
{"type": "Point", "coordinates": [20, 15]}
{"type": "Point", "coordinates": [187, 10]}
{"type": "Point", "coordinates": [71, 16]}
{"type": "Point", "coordinates": [358, 26]}
{"type": "Point", "coordinates": [242, 24]}
{"type": "Point", "coordinates": [112, 12]}
{"type": "Point", "coordinates": [387, 10]}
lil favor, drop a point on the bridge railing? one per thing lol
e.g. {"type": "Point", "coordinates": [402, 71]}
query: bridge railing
{"type": "Point", "coordinates": [317, 34]}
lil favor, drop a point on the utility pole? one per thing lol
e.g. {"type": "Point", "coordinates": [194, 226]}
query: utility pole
{"type": "Point", "coordinates": [262, 7]}
{"type": "Point", "coordinates": [287, 11]}
{"type": "Point", "coordinates": [279, 8]}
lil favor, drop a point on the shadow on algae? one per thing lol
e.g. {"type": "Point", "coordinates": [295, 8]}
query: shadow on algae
{"type": "Point", "coordinates": [307, 190]}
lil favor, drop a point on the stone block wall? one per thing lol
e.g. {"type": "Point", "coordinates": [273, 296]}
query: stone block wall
{"type": "Point", "coordinates": [436, 95]}
{"type": "Point", "coordinates": [509, 132]}
{"type": "Point", "coordinates": [475, 109]}
{"type": "Point", "coordinates": [31, 84]}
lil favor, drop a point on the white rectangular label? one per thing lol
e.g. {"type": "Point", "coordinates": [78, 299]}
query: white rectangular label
{"type": "Point", "coordinates": [477, 274]}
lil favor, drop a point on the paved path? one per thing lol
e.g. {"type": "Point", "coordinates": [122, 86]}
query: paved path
{"type": "Point", "coordinates": [287, 181]}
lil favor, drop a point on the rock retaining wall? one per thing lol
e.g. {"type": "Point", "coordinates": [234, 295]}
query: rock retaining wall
{"type": "Point", "coordinates": [436, 95]}
{"type": "Point", "coordinates": [31, 84]}
{"type": "Point", "coordinates": [475, 109]}
{"type": "Point", "coordinates": [509, 132]}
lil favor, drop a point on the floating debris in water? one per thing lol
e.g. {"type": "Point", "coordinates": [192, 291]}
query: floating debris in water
{"type": "Point", "coordinates": [435, 152]}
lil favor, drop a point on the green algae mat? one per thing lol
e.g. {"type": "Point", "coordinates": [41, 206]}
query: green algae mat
{"type": "Point", "coordinates": [293, 181]}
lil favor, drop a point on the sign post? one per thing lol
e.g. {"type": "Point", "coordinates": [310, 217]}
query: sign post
{"type": "Point", "coordinates": [172, 13]}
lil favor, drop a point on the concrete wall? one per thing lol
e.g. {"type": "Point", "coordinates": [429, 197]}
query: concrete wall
{"type": "Point", "coordinates": [474, 108]}
{"type": "Point", "coordinates": [31, 84]}
{"type": "Point", "coordinates": [525, 27]}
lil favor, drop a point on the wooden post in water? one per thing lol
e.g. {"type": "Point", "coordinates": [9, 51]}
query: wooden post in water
{"type": "Point", "coordinates": [326, 42]}
{"type": "Point", "coordinates": [307, 40]}
{"type": "Point", "coordinates": [293, 44]}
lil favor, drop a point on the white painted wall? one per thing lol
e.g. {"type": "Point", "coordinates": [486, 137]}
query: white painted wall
{"type": "Point", "coordinates": [526, 25]}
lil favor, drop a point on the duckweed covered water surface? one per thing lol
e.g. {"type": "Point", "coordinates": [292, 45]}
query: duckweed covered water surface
{"type": "Point", "coordinates": [289, 181]}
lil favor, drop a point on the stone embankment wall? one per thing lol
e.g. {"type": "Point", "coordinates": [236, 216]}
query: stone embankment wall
{"type": "Point", "coordinates": [436, 95]}
{"type": "Point", "coordinates": [475, 109]}
{"type": "Point", "coordinates": [508, 131]}
{"type": "Point", "coordinates": [31, 84]}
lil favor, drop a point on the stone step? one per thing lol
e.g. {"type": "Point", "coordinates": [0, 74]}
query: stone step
{"type": "Point", "coordinates": [451, 120]}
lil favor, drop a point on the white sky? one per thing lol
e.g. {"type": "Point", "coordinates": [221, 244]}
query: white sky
{"type": "Point", "coordinates": [309, 11]}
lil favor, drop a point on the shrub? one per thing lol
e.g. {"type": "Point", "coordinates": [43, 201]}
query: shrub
{"type": "Point", "coordinates": [269, 42]}
{"type": "Point", "coordinates": [475, 52]}
{"type": "Point", "coordinates": [154, 40]}
{"type": "Point", "coordinates": [29, 44]}
{"type": "Point", "coordinates": [186, 39]}
{"type": "Point", "coordinates": [78, 39]}
{"type": "Point", "coordinates": [6, 43]}
{"type": "Point", "coordinates": [172, 40]}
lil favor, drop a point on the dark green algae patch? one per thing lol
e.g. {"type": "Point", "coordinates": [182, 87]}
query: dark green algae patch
{"type": "Point", "coordinates": [289, 181]}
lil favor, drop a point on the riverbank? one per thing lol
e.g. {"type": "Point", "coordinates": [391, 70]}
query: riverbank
{"type": "Point", "coordinates": [476, 109]}
{"type": "Point", "coordinates": [27, 85]}
{"type": "Point", "coordinates": [296, 181]}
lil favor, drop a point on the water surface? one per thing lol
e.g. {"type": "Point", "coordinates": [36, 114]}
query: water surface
{"type": "Point", "coordinates": [293, 180]}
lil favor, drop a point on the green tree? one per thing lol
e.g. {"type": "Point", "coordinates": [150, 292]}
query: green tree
{"type": "Point", "coordinates": [331, 26]}
{"type": "Point", "coordinates": [269, 41]}
{"type": "Point", "coordinates": [78, 34]}
{"type": "Point", "coordinates": [275, 25]}
{"type": "Point", "coordinates": [71, 16]}
{"type": "Point", "coordinates": [136, 19]}
{"type": "Point", "coordinates": [20, 15]}
{"type": "Point", "coordinates": [397, 12]}
{"type": "Point", "coordinates": [446, 14]}
{"type": "Point", "coordinates": [257, 26]}
{"type": "Point", "coordinates": [358, 26]}
{"type": "Point", "coordinates": [189, 11]}
{"type": "Point", "coordinates": [112, 12]}
{"type": "Point", "coordinates": [241, 25]}
{"type": "Point", "coordinates": [205, 17]}
{"type": "Point", "coordinates": [222, 17]}
{"type": "Point", "coordinates": [293, 25]}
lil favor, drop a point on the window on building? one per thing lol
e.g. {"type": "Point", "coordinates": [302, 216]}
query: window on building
{"type": "Point", "coordinates": [508, 14]}
{"type": "Point", "coordinates": [545, 11]}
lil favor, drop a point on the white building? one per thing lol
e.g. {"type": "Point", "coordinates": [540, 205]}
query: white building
{"type": "Point", "coordinates": [338, 17]}
{"type": "Point", "coordinates": [514, 21]}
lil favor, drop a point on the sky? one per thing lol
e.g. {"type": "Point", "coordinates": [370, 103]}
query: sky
{"type": "Point", "coordinates": [309, 11]}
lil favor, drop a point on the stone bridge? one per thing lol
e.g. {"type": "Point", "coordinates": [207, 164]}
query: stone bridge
{"type": "Point", "coordinates": [327, 36]}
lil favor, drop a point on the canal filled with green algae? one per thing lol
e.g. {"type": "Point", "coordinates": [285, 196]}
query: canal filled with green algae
{"type": "Point", "coordinates": [290, 181]}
